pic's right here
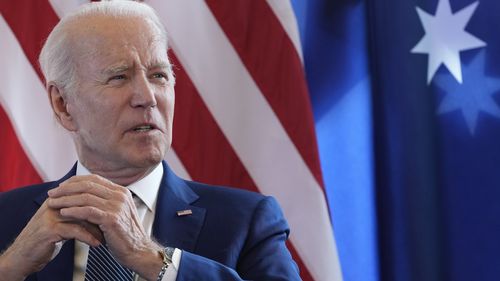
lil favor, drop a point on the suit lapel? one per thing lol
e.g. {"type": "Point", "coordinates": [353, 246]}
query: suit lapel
{"type": "Point", "coordinates": [40, 199]}
{"type": "Point", "coordinates": [169, 228]}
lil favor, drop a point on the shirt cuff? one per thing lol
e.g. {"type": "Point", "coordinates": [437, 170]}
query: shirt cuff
{"type": "Point", "coordinates": [171, 272]}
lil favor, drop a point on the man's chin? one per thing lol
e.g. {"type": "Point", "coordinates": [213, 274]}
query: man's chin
{"type": "Point", "coordinates": [147, 160]}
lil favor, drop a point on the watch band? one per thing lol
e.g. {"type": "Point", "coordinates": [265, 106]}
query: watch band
{"type": "Point", "coordinates": [166, 254]}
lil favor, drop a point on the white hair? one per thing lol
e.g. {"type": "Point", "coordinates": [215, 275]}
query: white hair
{"type": "Point", "coordinates": [56, 61]}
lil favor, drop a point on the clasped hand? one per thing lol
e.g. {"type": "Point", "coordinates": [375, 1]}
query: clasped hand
{"type": "Point", "coordinates": [90, 209]}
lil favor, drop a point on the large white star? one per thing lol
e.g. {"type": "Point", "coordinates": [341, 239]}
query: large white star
{"type": "Point", "coordinates": [445, 37]}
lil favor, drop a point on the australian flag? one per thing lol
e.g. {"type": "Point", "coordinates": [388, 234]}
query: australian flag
{"type": "Point", "coordinates": [406, 97]}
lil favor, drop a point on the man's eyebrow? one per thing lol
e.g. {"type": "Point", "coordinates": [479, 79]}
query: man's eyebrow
{"type": "Point", "coordinates": [119, 68]}
{"type": "Point", "coordinates": [160, 64]}
{"type": "Point", "coordinates": [116, 69]}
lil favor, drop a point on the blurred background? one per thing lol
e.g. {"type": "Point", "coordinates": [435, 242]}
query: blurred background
{"type": "Point", "coordinates": [374, 123]}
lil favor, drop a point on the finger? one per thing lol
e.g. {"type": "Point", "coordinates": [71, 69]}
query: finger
{"type": "Point", "coordinates": [47, 214]}
{"type": "Point", "coordinates": [76, 200]}
{"type": "Point", "coordinates": [93, 178]}
{"type": "Point", "coordinates": [94, 230]}
{"type": "Point", "coordinates": [75, 231]}
{"type": "Point", "coordinates": [72, 188]}
{"type": "Point", "coordinates": [90, 177]}
{"type": "Point", "coordinates": [86, 213]}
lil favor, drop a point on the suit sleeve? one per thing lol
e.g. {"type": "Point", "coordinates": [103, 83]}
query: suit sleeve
{"type": "Point", "coordinates": [263, 257]}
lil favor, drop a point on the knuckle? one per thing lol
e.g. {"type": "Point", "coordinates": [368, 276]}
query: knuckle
{"type": "Point", "coordinates": [121, 197]}
{"type": "Point", "coordinates": [114, 219]}
{"type": "Point", "coordinates": [48, 203]}
{"type": "Point", "coordinates": [93, 211]}
{"type": "Point", "coordinates": [92, 187]}
{"type": "Point", "coordinates": [121, 189]}
{"type": "Point", "coordinates": [87, 198]}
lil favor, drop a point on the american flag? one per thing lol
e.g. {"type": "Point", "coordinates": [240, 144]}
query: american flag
{"type": "Point", "coordinates": [243, 115]}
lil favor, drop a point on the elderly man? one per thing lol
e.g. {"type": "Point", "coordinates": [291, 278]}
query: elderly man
{"type": "Point", "coordinates": [120, 213]}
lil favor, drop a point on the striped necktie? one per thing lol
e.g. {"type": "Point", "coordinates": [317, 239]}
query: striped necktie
{"type": "Point", "coordinates": [102, 266]}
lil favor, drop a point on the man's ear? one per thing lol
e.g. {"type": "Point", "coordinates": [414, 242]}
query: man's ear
{"type": "Point", "coordinates": [59, 105]}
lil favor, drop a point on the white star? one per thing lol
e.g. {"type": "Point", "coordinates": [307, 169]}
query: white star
{"type": "Point", "coordinates": [445, 37]}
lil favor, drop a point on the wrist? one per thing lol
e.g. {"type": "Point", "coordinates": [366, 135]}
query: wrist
{"type": "Point", "coordinates": [166, 254]}
{"type": "Point", "coordinates": [148, 263]}
{"type": "Point", "coordinates": [10, 269]}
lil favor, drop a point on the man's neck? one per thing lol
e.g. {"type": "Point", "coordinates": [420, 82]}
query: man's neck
{"type": "Point", "coordinates": [123, 176]}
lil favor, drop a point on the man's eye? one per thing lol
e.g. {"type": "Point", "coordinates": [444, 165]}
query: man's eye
{"type": "Point", "coordinates": [118, 77]}
{"type": "Point", "coordinates": [159, 75]}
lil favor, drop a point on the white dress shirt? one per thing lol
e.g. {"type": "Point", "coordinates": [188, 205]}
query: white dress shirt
{"type": "Point", "coordinates": [146, 191]}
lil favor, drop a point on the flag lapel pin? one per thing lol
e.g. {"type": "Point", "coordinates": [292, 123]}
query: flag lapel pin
{"type": "Point", "coordinates": [184, 213]}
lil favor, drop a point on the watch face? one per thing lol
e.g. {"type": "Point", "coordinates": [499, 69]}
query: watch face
{"type": "Point", "coordinates": [169, 252]}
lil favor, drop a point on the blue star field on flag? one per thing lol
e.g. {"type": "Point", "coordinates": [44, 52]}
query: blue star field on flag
{"type": "Point", "coordinates": [406, 96]}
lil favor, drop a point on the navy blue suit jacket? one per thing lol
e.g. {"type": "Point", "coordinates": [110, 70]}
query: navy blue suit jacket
{"type": "Point", "coordinates": [231, 235]}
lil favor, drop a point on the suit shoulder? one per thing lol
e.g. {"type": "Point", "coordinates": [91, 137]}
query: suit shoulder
{"type": "Point", "coordinates": [232, 202]}
{"type": "Point", "coordinates": [225, 194]}
{"type": "Point", "coordinates": [24, 193]}
{"type": "Point", "coordinates": [16, 209]}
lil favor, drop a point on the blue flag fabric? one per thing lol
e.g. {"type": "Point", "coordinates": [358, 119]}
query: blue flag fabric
{"type": "Point", "coordinates": [435, 64]}
{"type": "Point", "coordinates": [335, 50]}
{"type": "Point", "coordinates": [406, 96]}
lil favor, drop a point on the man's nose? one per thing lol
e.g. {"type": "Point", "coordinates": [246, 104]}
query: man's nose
{"type": "Point", "coordinates": [143, 93]}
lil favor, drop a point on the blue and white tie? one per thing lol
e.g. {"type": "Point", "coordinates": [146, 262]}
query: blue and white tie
{"type": "Point", "coordinates": [102, 266]}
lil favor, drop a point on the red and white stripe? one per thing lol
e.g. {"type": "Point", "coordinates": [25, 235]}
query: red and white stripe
{"type": "Point", "coordinates": [243, 116]}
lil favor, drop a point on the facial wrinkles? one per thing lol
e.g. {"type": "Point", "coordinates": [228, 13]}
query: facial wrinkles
{"type": "Point", "coordinates": [145, 63]}
{"type": "Point", "coordinates": [105, 109]}
{"type": "Point", "coordinates": [123, 35]}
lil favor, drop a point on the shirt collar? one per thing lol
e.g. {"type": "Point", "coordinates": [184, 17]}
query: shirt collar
{"type": "Point", "coordinates": [146, 188]}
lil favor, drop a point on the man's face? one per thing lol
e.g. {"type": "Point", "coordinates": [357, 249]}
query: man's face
{"type": "Point", "coordinates": [122, 110]}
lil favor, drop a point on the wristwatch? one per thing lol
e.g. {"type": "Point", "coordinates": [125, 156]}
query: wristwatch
{"type": "Point", "coordinates": [166, 254]}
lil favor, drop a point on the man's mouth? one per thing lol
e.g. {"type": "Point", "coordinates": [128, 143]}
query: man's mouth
{"type": "Point", "coordinates": [143, 128]}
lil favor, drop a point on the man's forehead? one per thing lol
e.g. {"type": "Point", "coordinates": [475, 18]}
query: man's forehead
{"type": "Point", "coordinates": [101, 29]}
{"type": "Point", "coordinates": [114, 46]}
